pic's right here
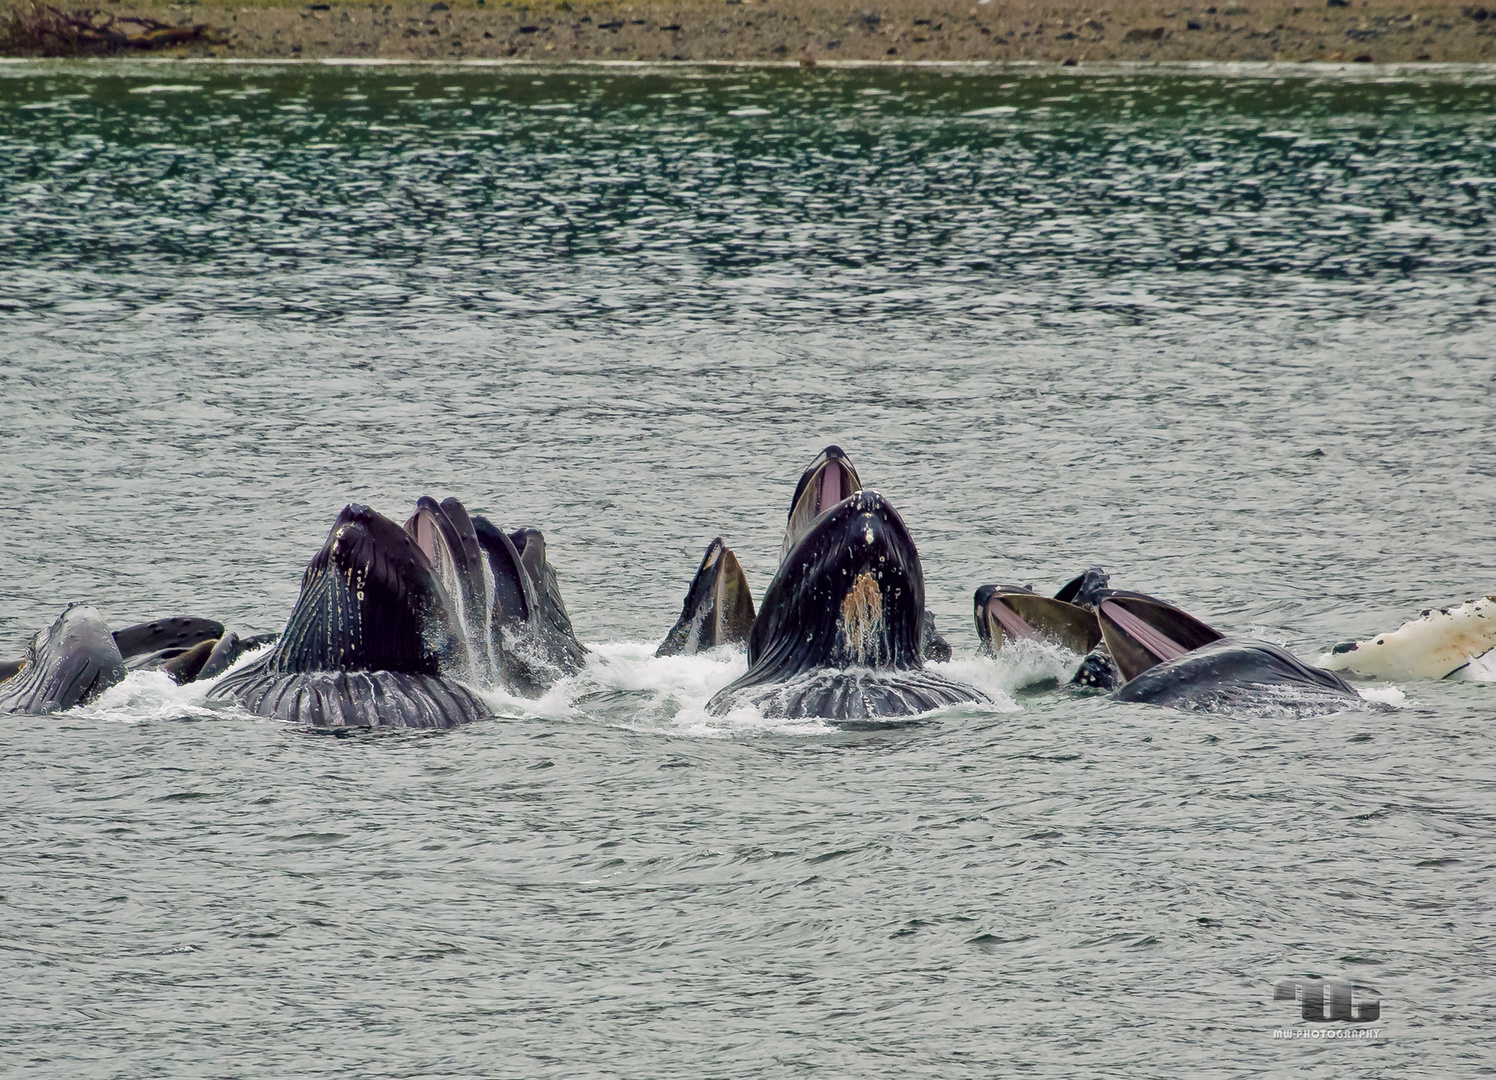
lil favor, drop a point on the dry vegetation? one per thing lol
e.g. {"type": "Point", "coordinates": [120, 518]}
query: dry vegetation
{"type": "Point", "coordinates": [807, 31]}
{"type": "Point", "coordinates": [37, 29]}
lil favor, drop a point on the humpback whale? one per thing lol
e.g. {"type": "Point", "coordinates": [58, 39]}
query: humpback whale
{"type": "Point", "coordinates": [511, 619]}
{"type": "Point", "coordinates": [1168, 657]}
{"type": "Point", "coordinates": [185, 648]}
{"type": "Point", "coordinates": [1448, 643]}
{"type": "Point", "coordinates": [534, 642]}
{"type": "Point", "coordinates": [370, 642]}
{"type": "Point", "coordinates": [1237, 675]}
{"type": "Point", "coordinates": [150, 645]}
{"type": "Point", "coordinates": [718, 608]}
{"type": "Point", "coordinates": [826, 481]}
{"type": "Point", "coordinates": [70, 663]}
{"type": "Point", "coordinates": [838, 631]}
{"type": "Point", "coordinates": [547, 646]}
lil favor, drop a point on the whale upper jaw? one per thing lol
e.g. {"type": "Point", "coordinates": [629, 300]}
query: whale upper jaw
{"type": "Point", "coordinates": [828, 480]}
{"type": "Point", "coordinates": [1003, 614]}
{"type": "Point", "coordinates": [849, 598]}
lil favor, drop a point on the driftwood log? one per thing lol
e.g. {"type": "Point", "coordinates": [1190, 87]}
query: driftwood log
{"type": "Point", "coordinates": [39, 29]}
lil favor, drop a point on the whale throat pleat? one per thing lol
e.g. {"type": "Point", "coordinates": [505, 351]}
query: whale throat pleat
{"type": "Point", "coordinates": [356, 613]}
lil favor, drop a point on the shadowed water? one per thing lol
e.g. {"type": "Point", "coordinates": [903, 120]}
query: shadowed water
{"type": "Point", "coordinates": [1229, 335]}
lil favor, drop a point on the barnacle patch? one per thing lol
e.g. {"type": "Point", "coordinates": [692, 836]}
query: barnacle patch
{"type": "Point", "coordinates": [861, 621]}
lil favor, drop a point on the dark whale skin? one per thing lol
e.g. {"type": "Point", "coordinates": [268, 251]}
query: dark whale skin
{"type": "Point", "coordinates": [359, 699]}
{"type": "Point", "coordinates": [1241, 676]}
{"type": "Point", "coordinates": [531, 631]}
{"type": "Point", "coordinates": [838, 634]}
{"type": "Point", "coordinates": [367, 643]}
{"type": "Point", "coordinates": [69, 664]}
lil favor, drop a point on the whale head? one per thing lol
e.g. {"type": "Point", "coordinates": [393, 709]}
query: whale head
{"type": "Point", "coordinates": [851, 593]}
{"type": "Point", "coordinates": [68, 664]}
{"type": "Point", "coordinates": [370, 601]}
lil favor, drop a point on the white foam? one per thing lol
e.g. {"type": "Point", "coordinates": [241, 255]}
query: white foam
{"type": "Point", "coordinates": [1383, 695]}
{"type": "Point", "coordinates": [145, 696]}
{"type": "Point", "coordinates": [1018, 664]}
{"type": "Point", "coordinates": [149, 695]}
{"type": "Point", "coordinates": [626, 685]}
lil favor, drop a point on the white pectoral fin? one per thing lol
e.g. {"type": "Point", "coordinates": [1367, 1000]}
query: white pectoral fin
{"type": "Point", "coordinates": [1481, 669]}
{"type": "Point", "coordinates": [1457, 642]}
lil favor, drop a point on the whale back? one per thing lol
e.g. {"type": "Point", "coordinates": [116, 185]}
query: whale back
{"type": "Point", "coordinates": [1241, 676]}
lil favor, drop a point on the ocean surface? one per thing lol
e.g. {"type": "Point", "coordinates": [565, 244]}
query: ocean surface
{"type": "Point", "coordinates": [1227, 332]}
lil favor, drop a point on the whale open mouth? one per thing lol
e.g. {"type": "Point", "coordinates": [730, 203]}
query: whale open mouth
{"type": "Point", "coordinates": [828, 481]}
{"type": "Point", "coordinates": [513, 592]}
{"type": "Point", "coordinates": [718, 608]}
{"type": "Point", "coordinates": [1007, 614]}
{"type": "Point", "coordinates": [1142, 631]}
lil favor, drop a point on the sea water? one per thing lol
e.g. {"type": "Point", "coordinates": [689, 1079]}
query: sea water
{"type": "Point", "coordinates": [1227, 332]}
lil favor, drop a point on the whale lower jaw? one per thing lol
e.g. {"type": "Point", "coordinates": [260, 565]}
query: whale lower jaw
{"type": "Point", "coordinates": [850, 694]}
{"type": "Point", "coordinates": [352, 699]}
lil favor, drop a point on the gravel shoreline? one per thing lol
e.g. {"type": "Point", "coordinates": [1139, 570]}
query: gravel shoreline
{"type": "Point", "coordinates": [811, 32]}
